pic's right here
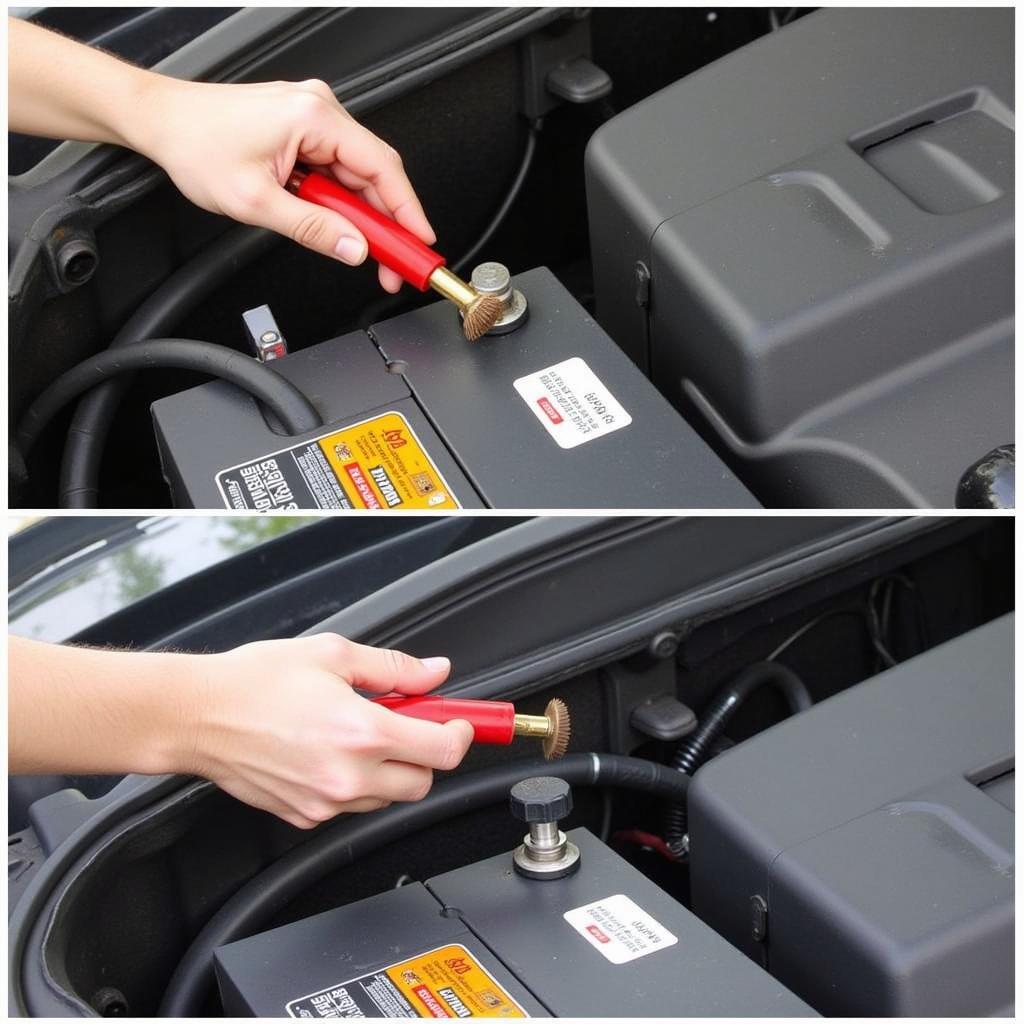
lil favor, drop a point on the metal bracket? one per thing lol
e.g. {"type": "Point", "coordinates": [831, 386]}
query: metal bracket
{"type": "Point", "coordinates": [264, 335]}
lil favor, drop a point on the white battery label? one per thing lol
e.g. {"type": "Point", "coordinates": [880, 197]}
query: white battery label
{"type": "Point", "coordinates": [619, 930]}
{"type": "Point", "coordinates": [571, 403]}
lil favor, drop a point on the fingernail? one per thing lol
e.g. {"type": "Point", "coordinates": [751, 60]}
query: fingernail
{"type": "Point", "coordinates": [436, 664]}
{"type": "Point", "coordinates": [350, 250]}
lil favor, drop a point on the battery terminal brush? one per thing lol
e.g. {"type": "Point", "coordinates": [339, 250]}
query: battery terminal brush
{"type": "Point", "coordinates": [493, 721]}
{"type": "Point", "coordinates": [401, 251]}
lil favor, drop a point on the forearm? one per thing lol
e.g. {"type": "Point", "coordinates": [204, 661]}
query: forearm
{"type": "Point", "coordinates": [66, 90]}
{"type": "Point", "coordinates": [277, 723]}
{"type": "Point", "coordinates": [73, 709]}
{"type": "Point", "coordinates": [228, 148]}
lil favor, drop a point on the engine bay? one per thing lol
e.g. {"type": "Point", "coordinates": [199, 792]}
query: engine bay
{"type": "Point", "coordinates": [849, 735]}
{"type": "Point", "coordinates": [776, 305]}
{"type": "Point", "coordinates": [660, 753]}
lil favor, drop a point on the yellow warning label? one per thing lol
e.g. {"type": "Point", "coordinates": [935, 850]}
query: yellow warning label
{"type": "Point", "coordinates": [381, 464]}
{"type": "Point", "coordinates": [450, 982]}
{"type": "Point", "coordinates": [446, 982]}
{"type": "Point", "coordinates": [377, 464]}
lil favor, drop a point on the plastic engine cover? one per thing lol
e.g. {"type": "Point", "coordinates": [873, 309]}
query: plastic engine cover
{"type": "Point", "coordinates": [878, 828]}
{"type": "Point", "coordinates": [826, 216]}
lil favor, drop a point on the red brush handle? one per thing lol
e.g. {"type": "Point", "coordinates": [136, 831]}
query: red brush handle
{"type": "Point", "coordinates": [493, 721]}
{"type": "Point", "coordinates": [389, 243]}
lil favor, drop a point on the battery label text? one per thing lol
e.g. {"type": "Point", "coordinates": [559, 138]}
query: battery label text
{"type": "Point", "coordinates": [571, 403]}
{"type": "Point", "coordinates": [619, 929]}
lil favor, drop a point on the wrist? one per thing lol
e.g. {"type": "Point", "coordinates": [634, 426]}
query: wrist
{"type": "Point", "coordinates": [139, 119]}
{"type": "Point", "coordinates": [179, 715]}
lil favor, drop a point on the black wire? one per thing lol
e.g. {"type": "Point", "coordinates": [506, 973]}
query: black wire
{"type": "Point", "coordinates": [888, 588]}
{"type": "Point", "coordinates": [283, 398]}
{"type": "Point", "coordinates": [880, 620]}
{"type": "Point", "coordinates": [387, 306]}
{"type": "Point", "coordinates": [507, 203]}
{"type": "Point", "coordinates": [808, 626]}
{"type": "Point", "coordinates": [878, 623]}
{"type": "Point", "coordinates": [886, 660]}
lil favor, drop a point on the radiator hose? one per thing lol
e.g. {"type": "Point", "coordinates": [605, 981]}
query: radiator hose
{"type": "Point", "coordinates": [695, 749]}
{"type": "Point", "coordinates": [350, 837]}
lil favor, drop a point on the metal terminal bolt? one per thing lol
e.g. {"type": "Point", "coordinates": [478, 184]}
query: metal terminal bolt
{"type": "Point", "coordinates": [546, 852]}
{"type": "Point", "coordinates": [492, 279]}
{"type": "Point", "coordinates": [495, 279]}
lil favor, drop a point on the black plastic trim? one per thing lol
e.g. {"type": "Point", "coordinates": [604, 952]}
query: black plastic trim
{"type": "Point", "coordinates": [407, 615]}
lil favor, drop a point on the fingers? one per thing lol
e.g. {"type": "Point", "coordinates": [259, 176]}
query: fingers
{"type": "Point", "coordinates": [265, 800]}
{"type": "Point", "coordinates": [389, 280]}
{"type": "Point", "coordinates": [378, 787]}
{"type": "Point", "coordinates": [306, 808]}
{"type": "Point", "coordinates": [379, 669]}
{"type": "Point", "coordinates": [410, 217]}
{"type": "Point", "coordinates": [313, 811]}
{"type": "Point", "coordinates": [324, 231]}
{"type": "Point", "coordinates": [402, 783]}
{"type": "Point", "coordinates": [321, 89]}
{"type": "Point", "coordinates": [347, 143]}
{"type": "Point", "coordinates": [432, 744]}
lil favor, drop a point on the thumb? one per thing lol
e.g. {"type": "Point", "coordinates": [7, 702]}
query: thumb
{"type": "Point", "coordinates": [324, 231]}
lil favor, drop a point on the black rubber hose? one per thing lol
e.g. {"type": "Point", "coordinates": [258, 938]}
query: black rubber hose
{"type": "Point", "coordinates": [693, 751]}
{"type": "Point", "coordinates": [350, 838]}
{"type": "Point", "coordinates": [283, 398]}
{"type": "Point", "coordinates": [156, 317]}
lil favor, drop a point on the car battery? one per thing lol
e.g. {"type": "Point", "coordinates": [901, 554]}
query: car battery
{"type": "Point", "coordinates": [484, 941]}
{"type": "Point", "coordinates": [551, 415]}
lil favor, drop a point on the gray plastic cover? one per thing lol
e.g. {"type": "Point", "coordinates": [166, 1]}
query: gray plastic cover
{"type": "Point", "coordinates": [871, 827]}
{"type": "Point", "coordinates": [827, 217]}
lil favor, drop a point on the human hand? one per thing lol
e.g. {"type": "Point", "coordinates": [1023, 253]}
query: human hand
{"type": "Point", "coordinates": [231, 148]}
{"type": "Point", "coordinates": [277, 725]}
